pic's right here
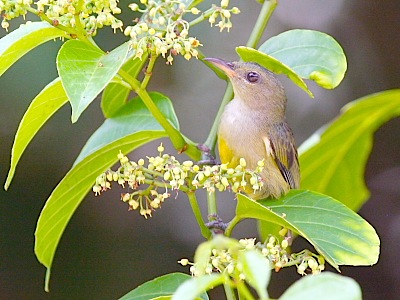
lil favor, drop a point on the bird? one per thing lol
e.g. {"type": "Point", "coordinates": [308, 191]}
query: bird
{"type": "Point", "coordinates": [253, 126]}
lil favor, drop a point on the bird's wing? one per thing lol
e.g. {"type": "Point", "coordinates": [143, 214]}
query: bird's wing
{"type": "Point", "coordinates": [283, 150]}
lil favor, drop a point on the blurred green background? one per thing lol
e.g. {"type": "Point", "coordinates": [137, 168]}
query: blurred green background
{"type": "Point", "coordinates": [106, 250]}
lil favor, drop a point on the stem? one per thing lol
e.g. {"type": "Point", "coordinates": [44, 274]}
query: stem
{"type": "Point", "coordinates": [203, 16]}
{"type": "Point", "coordinates": [212, 204]}
{"type": "Point", "coordinates": [197, 214]}
{"type": "Point", "coordinates": [244, 292]}
{"type": "Point", "coordinates": [80, 31]}
{"type": "Point", "coordinates": [177, 139]}
{"type": "Point", "coordinates": [44, 17]}
{"type": "Point", "coordinates": [212, 136]}
{"type": "Point", "coordinates": [149, 71]}
{"type": "Point", "coordinates": [230, 294]}
{"type": "Point", "coordinates": [265, 14]}
{"type": "Point", "coordinates": [231, 225]}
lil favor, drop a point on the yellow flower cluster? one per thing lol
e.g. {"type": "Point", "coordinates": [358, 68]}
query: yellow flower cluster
{"type": "Point", "coordinates": [92, 14]}
{"type": "Point", "coordinates": [167, 173]}
{"type": "Point", "coordinates": [227, 260]}
{"type": "Point", "coordinates": [162, 30]}
{"type": "Point", "coordinates": [223, 14]}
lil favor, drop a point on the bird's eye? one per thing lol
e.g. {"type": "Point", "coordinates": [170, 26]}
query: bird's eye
{"type": "Point", "coordinates": [253, 77]}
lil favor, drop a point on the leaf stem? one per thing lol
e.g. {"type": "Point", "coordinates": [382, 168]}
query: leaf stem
{"type": "Point", "coordinates": [203, 16]}
{"type": "Point", "coordinates": [197, 214]}
{"type": "Point", "coordinates": [267, 9]}
{"type": "Point", "coordinates": [149, 71]}
{"type": "Point", "coordinates": [244, 291]}
{"type": "Point", "coordinates": [231, 225]}
{"type": "Point", "coordinates": [212, 136]}
{"type": "Point", "coordinates": [178, 140]}
{"type": "Point", "coordinates": [230, 294]}
{"type": "Point", "coordinates": [212, 204]}
{"type": "Point", "coordinates": [45, 18]}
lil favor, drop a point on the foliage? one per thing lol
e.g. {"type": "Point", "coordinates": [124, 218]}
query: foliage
{"type": "Point", "coordinates": [332, 161]}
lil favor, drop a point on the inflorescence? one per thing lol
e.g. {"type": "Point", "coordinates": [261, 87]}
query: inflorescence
{"type": "Point", "coordinates": [150, 183]}
{"type": "Point", "coordinates": [161, 30]}
{"type": "Point", "coordinates": [92, 14]}
{"type": "Point", "coordinates": [227, 260]}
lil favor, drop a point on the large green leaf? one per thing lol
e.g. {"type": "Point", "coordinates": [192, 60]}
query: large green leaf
{"type": "Point", "coordinates": [115, 95]}
{"type": "Point", "coordinates": [99, 154]}
{"type": "Point", "coordinates": [257, 271]}
{"type": "Point", "coordinates": [86, 70]}
{"type": "Point", "coordinates": [161, 286]}
{"type": "Point", "coordinates": [333, 159]}
{"type": "Point", "coordinates": [272, 64]}
{"type": "Point", "coordinates": [336, 232]}
{"type": "Point", "coordinates": [49, 100]}
{"type": "Point", "coordinates": [301, 54]}
{"type": "Point", "coordinates": [132, 117]}
{"type": "Point", "coordinates": [19, 42]}
{"type": "Point", "coordinates": [327, 286]}
{"type": "Point", "coordinates": [311, 54]}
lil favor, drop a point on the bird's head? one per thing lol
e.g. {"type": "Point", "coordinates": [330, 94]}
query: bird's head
{"type": "Point", "coordinates": [254, 85]}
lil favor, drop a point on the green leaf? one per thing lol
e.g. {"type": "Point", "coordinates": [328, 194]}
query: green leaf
{"type": "Point", "coordinates": [311, 54]}
{"type": "Point", "coordinates": [257, 271]}
{"type": "Point", "coordinates": [133, 117]}
{"type": "Point", "coordinates": [99, 154]}
{"type": "Point", "coordinates": [116, 95]}
{"type": "Point", "coordinates": [327, 286]}
{"type": "Point", "coordinates": [333, 160]}
{"type": "Point", "coordinates": [163, 286]}
{"type": "Point", "coordinates": [85, 71]}
{"type": "Point", "coordinates": [19, 42]}
{"type": "Point", "coordinates": [45, 104]}
{"type": "Point", "coordinates": [194, 287]}
{"type": "Point", "coordinates": [272, 64]}
{"type": "Point", "coordinates": [335, 231]}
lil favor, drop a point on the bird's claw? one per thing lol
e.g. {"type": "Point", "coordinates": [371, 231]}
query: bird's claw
{"type": "Point", "coordinates": [216, 225]}
{"type": "Point", "coordinates": [207, 157]}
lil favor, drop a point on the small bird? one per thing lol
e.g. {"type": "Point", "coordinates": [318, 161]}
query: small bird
{"type": "Point", "coordinates": [253, 126]}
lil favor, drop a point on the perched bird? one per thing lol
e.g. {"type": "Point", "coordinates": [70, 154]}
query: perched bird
{"type": "Point", "coordinates": [253, 126]}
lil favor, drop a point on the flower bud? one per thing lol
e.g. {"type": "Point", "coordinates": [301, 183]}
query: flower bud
{"type": "Point", "coordinates": [195, 11]}
{"type": "Point", "coordinates": [235, 10]}
{"type": "Point", "coordinates": [134, 204]}
{"type": "Point", "coordinates": [224, 181]}
{"type": "Point", "coordinates": [183, 261]}
{"type": "Point", "coordinates": [160, 148]}
{"type": "Point", "coordinates": [144, 27]}
{"type": "Point", "coordinates": [133, 6]}
{"type": "Point", "coordinates": [128, 30]}
{"type": "Point", "coordinates": [187, 163]}
{"type": "Point", "coordinates": [125, 197]}
{"type": "Point", "coordinates": [226, 13]}
{"type": "Point", "coordinates": [224, 3]}
{"type": "Point", "coordinates": [242, 162]}
{"type": "Point", "coordinates": [161, 20]}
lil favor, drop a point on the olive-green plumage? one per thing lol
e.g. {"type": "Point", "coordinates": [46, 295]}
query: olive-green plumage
{"type": "Point", "coordinates": [253, 126]}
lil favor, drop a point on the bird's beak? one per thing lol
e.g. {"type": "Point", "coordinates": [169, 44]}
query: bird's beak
{"type": "Point", "coordinates": [225, 66]}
